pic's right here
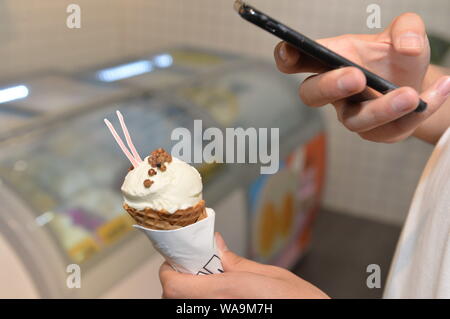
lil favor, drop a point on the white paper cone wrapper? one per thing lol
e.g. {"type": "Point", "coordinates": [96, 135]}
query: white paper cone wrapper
{"type": "Point", "coordinates": [190, 249]}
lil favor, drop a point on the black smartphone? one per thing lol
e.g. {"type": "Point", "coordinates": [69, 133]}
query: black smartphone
{"type": "Point", "coordinates": [312, 48]}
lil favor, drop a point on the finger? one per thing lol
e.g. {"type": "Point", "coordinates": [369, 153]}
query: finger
{"type": "Point", "coordinates": [408, 34]}
{"type": "Point", "coordinates": [167, 273]}
{"type": "Point", "coordinates": [220, 243]}
{"type": "Point", "coordinates": [178, 285]}
{"type": "Point", "coordinates": [232, 262]}
{"type": "Point", "coordinates": [289, 60]}
{"type": "Point", "coordinates": [395, 131]}
{"type": "Point", "coordinates": [368, 115]}
{"type": "Point", "coordinates": [285, 55]}
{"type": "Point", "coordinates": [332, 86]}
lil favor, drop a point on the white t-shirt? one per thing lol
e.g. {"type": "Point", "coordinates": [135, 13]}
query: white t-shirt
{"type": "Point", "coordinates": [421, 265]}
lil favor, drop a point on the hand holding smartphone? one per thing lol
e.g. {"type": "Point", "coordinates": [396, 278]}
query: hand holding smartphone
{"type": "Point", "coordinates": [313, 48]}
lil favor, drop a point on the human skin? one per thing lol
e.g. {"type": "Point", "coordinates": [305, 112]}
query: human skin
{"type": "Point", "coordinates": [401, 54]}
{"type": "Point", "coordinates": [242, 278]}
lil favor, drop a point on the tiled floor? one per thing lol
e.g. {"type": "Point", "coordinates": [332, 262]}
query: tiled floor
{"type": "Point", "coordinates": [342, 248]}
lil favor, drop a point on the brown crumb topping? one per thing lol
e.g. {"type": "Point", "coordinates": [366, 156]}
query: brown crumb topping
{"type": "Point", "coordinates": [148, 183]}
{"type": "Point", "coordinates": [158, 157]}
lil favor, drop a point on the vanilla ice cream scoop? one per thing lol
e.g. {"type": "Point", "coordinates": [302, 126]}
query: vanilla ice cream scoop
{"type": "Point", "coordinates": [174, 185]}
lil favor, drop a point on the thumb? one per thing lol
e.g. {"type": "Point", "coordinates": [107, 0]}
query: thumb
{"type": "Point", "coordinates": [230, 261]}
{"type": "Point", "coordinates": [220, 243]}
{"type": "Point", "coordinates": [234, 262]}
{"type": "Point", "coordinates": [408, 35]}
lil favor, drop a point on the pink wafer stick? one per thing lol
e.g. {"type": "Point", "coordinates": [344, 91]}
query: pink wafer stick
{"type": "Point", "coordinates": [128, 137]}
{"type": "Point", "coordinates": [121, 144]}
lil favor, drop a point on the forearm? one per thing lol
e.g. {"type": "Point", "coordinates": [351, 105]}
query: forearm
{"type": "Point", "coordinates": [433, 128]}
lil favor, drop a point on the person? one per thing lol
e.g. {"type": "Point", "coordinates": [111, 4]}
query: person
{"type": "Point", "coordinates": [401, 53]}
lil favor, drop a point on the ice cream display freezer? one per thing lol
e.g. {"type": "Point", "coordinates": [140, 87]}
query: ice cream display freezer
{"type": "Point", "coordinates": [60, 183]}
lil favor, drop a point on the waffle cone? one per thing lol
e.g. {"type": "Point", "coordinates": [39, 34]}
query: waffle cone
{"type": "Point", "coordinates": [163, 220]}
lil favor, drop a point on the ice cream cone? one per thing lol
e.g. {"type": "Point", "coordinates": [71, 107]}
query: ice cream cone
{"type": "Point", "coordinates": [156, 191]}
{"type": "Point", "coordinates": [163, 220]}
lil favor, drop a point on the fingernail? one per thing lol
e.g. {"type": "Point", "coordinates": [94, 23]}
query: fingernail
{"type": "Point", "coordinates": [402, 103]}
{"type": "Point", "coordinates": [410, 41]}
{"type": "Point", "coordinates": [282, 53]}
{"type": "Point", "coordinates": [220, 243]}
{"type": "Point", "coordinates": [444, 87]}
{"type": "Point", "coordinates": [347, 84]}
